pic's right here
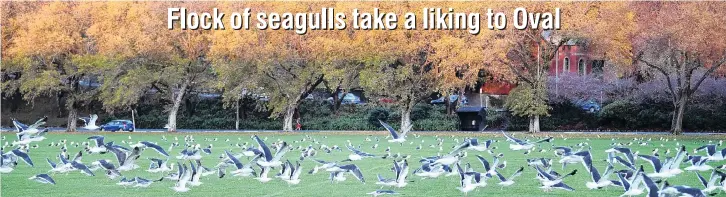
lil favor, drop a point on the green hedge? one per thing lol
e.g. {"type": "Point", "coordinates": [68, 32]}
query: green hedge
{"type": "Point", "coordinates": [625, 115]}
{"type": "Point", "coordinates": [315, 115]}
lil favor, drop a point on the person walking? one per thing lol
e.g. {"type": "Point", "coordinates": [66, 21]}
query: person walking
{"type": "Point", "coordinates": [298, 126]}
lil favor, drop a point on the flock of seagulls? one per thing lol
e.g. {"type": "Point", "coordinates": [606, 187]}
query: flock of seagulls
{"type": "Point", "coordinates": [624, 167]}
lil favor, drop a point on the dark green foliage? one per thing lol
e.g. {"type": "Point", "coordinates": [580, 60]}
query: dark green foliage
{"type": "Point", "coordinates": [314, 115]}
{"type": "Point", "coordinates": [568, 116]}
{"type": "Point", "coordinates": [421, 111]}
{"type": "Point", "coordinates": [378, 113]}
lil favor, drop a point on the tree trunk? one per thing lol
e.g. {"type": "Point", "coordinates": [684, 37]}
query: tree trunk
{"type": "Point", "coordinates": [338, 100]}
{"type": "Point", "coordinates": [72, 118]}
{"type": "Point", "coordinates": [534, 124]}
{"type": "Point", "coordinates": [406, 119]}
{"type": "Point", "coordinates": [289, 118]}
{"type": "Point", "coordinates": [677, 122]}
{"type": "Point", "coordinates": [175, 107]}
{"type": "Point", "coordinates": [447, 102]}
{"type": "Point", "coordinates": [59, 102]}
{"type": "Point", "coordinates": [133, 119]}
{"type": "Point", "coordinates": [236, 120]}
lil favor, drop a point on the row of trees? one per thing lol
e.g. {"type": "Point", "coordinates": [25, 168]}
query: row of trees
{"type": "Point", "coordinates": [52, 48]}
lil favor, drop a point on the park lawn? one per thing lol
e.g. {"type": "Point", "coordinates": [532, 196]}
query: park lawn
{"type": "Point", "coordinates": [16, 183]}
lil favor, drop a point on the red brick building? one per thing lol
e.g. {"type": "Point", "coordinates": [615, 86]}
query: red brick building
{"type": "Point", "coordinates": [571, 58]}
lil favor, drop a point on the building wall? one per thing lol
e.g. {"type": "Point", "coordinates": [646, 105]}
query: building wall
{"type": "Point", "coordinates": [572, 54]}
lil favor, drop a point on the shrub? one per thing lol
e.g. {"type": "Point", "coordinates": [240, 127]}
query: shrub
{"type": "Point", "coordinates": [378, 113]}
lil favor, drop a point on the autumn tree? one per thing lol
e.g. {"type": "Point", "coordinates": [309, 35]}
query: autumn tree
{"type": "Point", "coordinates": [153, 59]}
{"type": "Point", "coordinates": [684, 44]}
{"type": "Point", "coordinates": [11, 68]}
{"type": "Point", "coordinates": [55, 54]}
{"type": "Point", "coordinates": [398, 63]}
{"type": "Point", "coordinates": [528, 52]}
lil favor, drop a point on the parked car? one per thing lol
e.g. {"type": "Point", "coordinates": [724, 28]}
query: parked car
{"type": "Point", "coordinates": [348, 99]}
{"type": "Point", "coordinates": [118, 125]}
{"type": "Point", "coordinates": [452, 99]}
{"type": "Point", "coordinates": [589, 105]}
{"type": "Point", "coordinates": [386, 100]}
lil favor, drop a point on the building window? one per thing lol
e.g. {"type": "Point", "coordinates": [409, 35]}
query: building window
{"type": "Point", "coordinates": [566, 66]}
{"type": "Point", "coordinates": [581, 67]}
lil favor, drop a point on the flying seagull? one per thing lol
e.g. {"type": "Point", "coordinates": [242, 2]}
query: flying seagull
{"type": "Point", "coordinates": [337, 173]}
{"type": "Point", "coordinates": [90, 122]}
{"type": "Point", "coordinates": [465, 181]}
{"type": "Point", "coordinates": [521, 144]}
{"type": "Point", "coordinates": [241, 169]}
{"type": "Point", "coordinates": [295, 171]}
{"type": "Point", "coordinates": [269, 160]}
{"type": "Point", "coordinates": [508, 181]}
{"type": "Point", "coordinates": [357, 154]}
{"type": "Point", "coordinates": [382, 192]}
{"type": "Point", "coordinates": [598, 180]}
{"type": "Point", "coordinates": [396, 138]}
{"type": "Point", "coordinates": [632, 188]}
{"type": "Point", "coordinates": [29, 129]}
{"type": "Point", "coordinates": [711, 152]}
{"type": "Point", "coordinates": [145, 144]}
{"type": "Point", "coordinates": [100, 147]}
{"type": "Point", "coordinates": [401, 173]}
{"type": "Point", "coordinates": [183, 177]}
{"type": "Point", "coordinates": [43, 178]}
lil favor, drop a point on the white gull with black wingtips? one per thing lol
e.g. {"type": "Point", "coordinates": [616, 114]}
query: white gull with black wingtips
{"type": "Point", "coordinates": [269, 160]}
{"type": "Point", "coordinates": [337, 173]}
{"type": "Point", "coordinates": [241, 169]}
{"type": "Point", "coordinates": [521, 144]}
{"type": "Point", "coordinates": [43, 178]}
{"type": "Point", "coordinates": [396, 137]}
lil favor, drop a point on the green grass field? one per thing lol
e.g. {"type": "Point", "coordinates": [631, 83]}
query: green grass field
{"type": "Point", "coordinates": [16, 183]}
